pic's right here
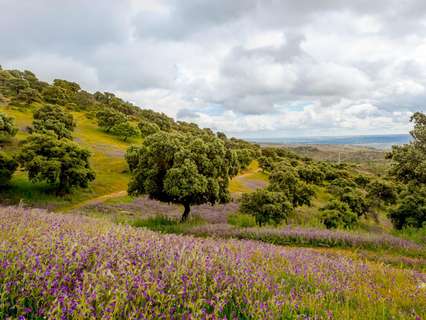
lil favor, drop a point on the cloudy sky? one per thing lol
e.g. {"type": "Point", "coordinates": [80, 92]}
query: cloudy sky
{"type": "Point", "coordinates": [265, 68]}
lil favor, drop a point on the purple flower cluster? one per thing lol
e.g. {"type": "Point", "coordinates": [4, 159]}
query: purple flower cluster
{"type": "Point", "coordinates": [74, 267]}
{"type": "Point", "coordinates": [308, 236]}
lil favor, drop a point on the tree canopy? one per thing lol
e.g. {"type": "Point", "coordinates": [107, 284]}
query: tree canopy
{"type": "Point", "coordinates": [181, 168]}
{"type": "Point", "coordinates": [62, 163]}
{"type": "Point", "coordinates": [8, 166]}
{"type": "Point", "coordinates": [7, 127]}
{"type": "Point", "coordinates": [52, 118]}
{"type": "Point", "coordinates": [124, 130]}
{"type": "Point", "coordinates": [266, 206]}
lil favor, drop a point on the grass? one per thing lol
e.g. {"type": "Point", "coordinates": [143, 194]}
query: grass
{"type": "Point", "coordinates": [241, 220]}
{"type": "Point", "coordinates": [166, 224]}
{"type": "Point", "coordinates": [414, 234]}
{"type": "Point", "coordinates": [249, 179]}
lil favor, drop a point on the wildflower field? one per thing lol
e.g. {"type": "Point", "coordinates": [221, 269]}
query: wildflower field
{"type": "Point", "coordinates": [74, 267]}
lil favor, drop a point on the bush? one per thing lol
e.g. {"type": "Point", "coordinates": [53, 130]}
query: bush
{"type": "Point", "coordinates": [8, 166]}
{"type": "Point", "coordinates": [62, 163]}
{"type": "Point", "coordinates": [7, 127]}
{"type": "Point", "coordinates": [382, 190]}
{"type": "Point", "coordinates": [311, 174]}
{"type": "Point", "coordinates": [124, 130]}
{"type": "Point", "coordinates": [337, 214]}
{"type": "Point", "coordinates": [147, 128]}
{"type": "Point", "coordinates": [54, 119]}
{"type": "Point", "coordinates": [108, 118]}
{"type": "Point", "coordinates": [356, 202]}
{"type": "Point", "coordinates": [266, 206]}
{"type": "Point", "coordinates": [411, 209]}
{"type": "Point", "coordinates": [241, 220]}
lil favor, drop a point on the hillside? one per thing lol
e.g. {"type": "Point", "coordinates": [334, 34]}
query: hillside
{"type": "Point", "coordinates": [107, 150]}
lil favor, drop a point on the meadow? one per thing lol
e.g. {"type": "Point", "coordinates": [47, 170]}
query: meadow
{"type": "Point", "coordinates": [75, 267]}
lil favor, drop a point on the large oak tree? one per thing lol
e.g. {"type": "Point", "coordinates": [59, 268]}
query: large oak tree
{"type": "Point", "coordinates": [181, 168]}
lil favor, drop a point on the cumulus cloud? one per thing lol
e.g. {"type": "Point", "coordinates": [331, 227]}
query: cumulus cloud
{"type": "Point", "coordinates": [246, 67]}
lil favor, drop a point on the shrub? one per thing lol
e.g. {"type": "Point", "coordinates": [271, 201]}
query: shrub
{"type": "Point", "coordinates": [147, 128]}
{"type": "Point", "coordinates": [381, 190]}
{"type": "Point", "coordinates": [356, 202]}
{"type": "Point", "coordinates": [54, 119]}
{"type": "Point", "coordinates": [311, 174]}
{"type": "Point", "coordinates": [284, 179]}
{"type": "Point", "coordinates": [58, 162]}
{"type": "Point", "coordinates": [8, 166]}
{"type": "Point", "coordinates": [411, 209]}
{"type": "Point", "coordinates": [108, 118]}
{"type": "Point", "coordinates": [124, 130]}
{"type": "Point", "coordinates": [266, 206]}
{"type": "Point", "coordinates": [337, 214]}
{"type": "Point", "coordinates": [7, 127]}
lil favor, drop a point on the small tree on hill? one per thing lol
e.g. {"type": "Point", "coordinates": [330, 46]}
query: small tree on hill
{"type": "Point", "coordinates": [410, 209]}
{"type": "Point", "coordinates": [62, 163]}
{"type": "Point", "coordinates": [54, 119]}
{"type": "Point", "coordinates": [108, 118]}
{"type": "Point", "coordinates": [266, 206]}
{"type": "Point", "coordinates": [8, 166]}
{"type": "Point", "coordinates": [124, 130]}
{"type": "Point", "coordinates": [181, 168]}
{"type": "Point", "coordinates": [409, 160]}
{"type": "Point", "coordinates": [7, 127]}
{"type": "Point", "coordinates": [147, 128]}
{"type": "Point", "coordinates": [337, 214]}
{"type": "Point", "coordinates": [285, 179]}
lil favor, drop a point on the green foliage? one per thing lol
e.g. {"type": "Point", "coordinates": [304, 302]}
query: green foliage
{"type": "Point", "coordinates": [132, 157]}
{"type": "Point", "coordinates": [55, 95]}
{"type": "Point", "coordinates": [244, 157]}
{"type": "Point", "coordinates": [356, 202]}
{"type": "Point", "coordinates": [62, 163]}
{"type": "Point", "coordinates": [311, 174]}
{"type": "Point", "coordinates": [67, 85]}
{"type": "Point", "coordinates": [181, 168]}
{"type": "Point", "coordinates": [411, 208]}
{"type": "Point", "coordinates": [285, 179]}
{"type": "Point", "coordinates": [241, 220]}
{"type": "Point", "coordinates": [8, 166]}
{"type": "Point", "coordinates": [382, 190]}
{"type": "Point", "coordinates": [266, 206]}
{"type": "Point", "coordinates": [362, 180]}
{"type": "Point", "coordinates": [409, 160]}
{"type": "Point", "coordinates": [52, 118]}
{"type": "Point", "coordinates": [7, 127]}
{"type": "Point", "coordinates": [147, 128]}
{"type": "Point", "coordinates": [337, 214]}
{"type": "Point", "coordinates": [108, 118]}
{"type": "Point", "coordinates": [124, 130]}
{"type": "Point", "coordinates": [164, 122]}
{"type": "Point", "coordinates": [27, 96]}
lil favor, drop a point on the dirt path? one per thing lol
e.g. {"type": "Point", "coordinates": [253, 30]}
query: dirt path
{"type": "Point", "coordinates": [98, 200]}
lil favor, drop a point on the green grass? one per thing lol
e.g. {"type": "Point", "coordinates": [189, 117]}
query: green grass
{"type": "Point", "coordinates": [414, 234]}
{"type": "Point", "coordinates": [241, 220]}
{"type": "Point", "coordinates": [166, 224]}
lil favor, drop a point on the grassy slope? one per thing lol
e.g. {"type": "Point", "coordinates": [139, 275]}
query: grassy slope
{"type": "Point", "coordinates": [107, 160]}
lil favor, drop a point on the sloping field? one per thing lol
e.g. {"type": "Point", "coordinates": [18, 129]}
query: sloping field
{"type": "Point", "coordinates": [72, 267]}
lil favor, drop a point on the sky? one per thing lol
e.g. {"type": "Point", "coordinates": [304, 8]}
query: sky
{"type": "Point", "coordinates": [250, 68]}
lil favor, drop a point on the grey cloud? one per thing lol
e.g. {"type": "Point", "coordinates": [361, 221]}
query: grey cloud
{"type": "Point", "coordinates": [253, 58]}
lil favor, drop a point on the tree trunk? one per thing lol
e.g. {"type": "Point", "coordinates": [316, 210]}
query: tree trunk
{"type": "Point", "coordinates": [185, 214]}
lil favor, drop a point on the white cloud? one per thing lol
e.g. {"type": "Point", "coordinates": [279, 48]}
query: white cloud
{"type": "Point", "coordinates": [246, 67]}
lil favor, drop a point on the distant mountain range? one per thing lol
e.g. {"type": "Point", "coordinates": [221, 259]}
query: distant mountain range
{"type": "Point", "coordinates": [375, 141]}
